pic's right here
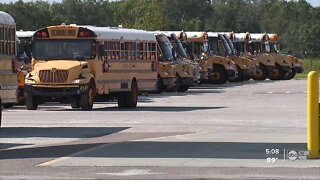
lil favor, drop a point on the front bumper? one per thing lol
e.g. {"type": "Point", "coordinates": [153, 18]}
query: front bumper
{"type": "Point", "coordinates": [56, 92]}
{"type": "Point", "coordinates": [169, 82]}
{"type": "Point", "coordinates": [191, 81]}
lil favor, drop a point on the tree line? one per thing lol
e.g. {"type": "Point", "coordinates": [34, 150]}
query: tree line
{"type": "Point", "coordinates": [296, 22]}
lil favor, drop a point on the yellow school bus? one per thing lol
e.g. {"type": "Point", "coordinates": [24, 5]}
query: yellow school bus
{"type": "Point", "coordinates": [213, 68]}
{"type": "Point", "coordinates": [8, 77]}
{"type": "Point", "coordinates": [79, 64]}
{"type": "Point", "coordinates": [167, 80]}
{"type": "Point", "coordinates": [294, 63]}
{"type": "Point", "coordinates": [282, 65]}
{"type": "Point", "coordinates": [220, 44]}
{"type": "Point", "coordinates": [257, 49]}
{"type": "Point", "coordinates": [187, 71]}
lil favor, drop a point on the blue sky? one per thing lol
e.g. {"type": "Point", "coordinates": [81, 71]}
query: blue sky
{"type": "Point", "coordinates": [312, 2]}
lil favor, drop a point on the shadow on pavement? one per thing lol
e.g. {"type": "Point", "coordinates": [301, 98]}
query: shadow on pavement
{"type": "Point", "coordinates": [226, 150]}
{"type": "Point", "coordinates": [58, 132]}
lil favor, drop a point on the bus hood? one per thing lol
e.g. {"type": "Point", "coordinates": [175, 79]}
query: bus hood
{"type": "Point", "coordinates": [59, 65]}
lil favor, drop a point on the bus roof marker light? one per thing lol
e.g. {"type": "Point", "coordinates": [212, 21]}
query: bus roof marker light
{"type": "Point", "coordinates": [44, 34]}
{"type": "Point", "coordinates": [38, 34]}
{"type": "Point", "coordinates": [82, 34]}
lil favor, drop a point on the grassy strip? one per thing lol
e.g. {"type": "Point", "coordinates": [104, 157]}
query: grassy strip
{"type": "Point", "coordinates": [308, 65]}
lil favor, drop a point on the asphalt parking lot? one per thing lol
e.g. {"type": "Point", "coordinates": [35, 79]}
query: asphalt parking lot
{"type": "Point", "coordinates": [231, 131]}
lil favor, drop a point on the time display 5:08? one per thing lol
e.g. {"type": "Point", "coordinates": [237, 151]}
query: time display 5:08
{"type": "Point", "coordinates": [272, 151]}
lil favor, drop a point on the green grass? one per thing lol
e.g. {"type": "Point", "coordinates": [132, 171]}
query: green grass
{"type": "Point", "coordinates": [307, 67]}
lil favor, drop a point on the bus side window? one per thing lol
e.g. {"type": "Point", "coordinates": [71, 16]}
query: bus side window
{"type": "Point", "coordinates": [5, 41]}
{"type": "Point", "coordinates": [129, 50]}
{"type": "Point", "coordinates": [1, 39]}
{"type": "Point", "coordinates": [141, 51]}
{"type": "Point", "coordinates": [145, 51]}
{"type": "Point", "coordinates": [134, 50]}
{"type": "Point", "coordinates": [153, 51]}
{"type": "Point", "coordinates": [115, 50]}
{"type": "Point", "coordinates": [13, 41]}
{"type": "Point", "coordinates": [149, 51]}
{"type": "Point", "coordinates": [123, 50]}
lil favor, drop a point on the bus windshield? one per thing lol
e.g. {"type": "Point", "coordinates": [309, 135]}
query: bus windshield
{"type": "Point", "coordinates": [231, 46]}
{"type": "Point", "coordinates": [213, 44]}
{"type": "Point", "coordinates": [62, 49]}
{"type": "Point", "coordinates": [180, 50]}
{"type": "Point", "coordinates": [226, 45]}
{"type": "Point", "coordinates": [166, 50]}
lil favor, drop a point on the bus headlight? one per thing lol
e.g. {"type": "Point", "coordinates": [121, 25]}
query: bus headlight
{"type": "Point", "coordinates": [166, 73]}
{"type": "Point", "coordinates": [29, 80]}
{"type": "Point", "coordinates": [79, 80]}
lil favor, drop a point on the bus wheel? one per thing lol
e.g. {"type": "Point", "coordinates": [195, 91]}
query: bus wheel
{"type": "Point", "coordinates": [75, 104]}
{"type": "Point", "coordinates": [183, 88]}
{"type": "Point", "coordinates": [289, 75]}
{"type": "Point", "coordinates": [7, 105]}
{"type": "Point", "coordinates": [31, 102]}
{"type": "Point", "coordinates": [87, 98]}
{"type": "Point", "coordinates": [218, 76]}
{"type": "Point", "coordinates": [160, 86]}
{"type": "Point", "coordinates": [132, 96]}
{"type": "Point", "coordinates": [276, 74]}
{"type": "Point", "coordinates": [261, 74]}
{"type": "Point", "coordinates": [122, 100]}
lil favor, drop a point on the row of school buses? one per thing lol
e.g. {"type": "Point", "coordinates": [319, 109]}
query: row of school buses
{"type": "Point", "coordinates": [80, 64]}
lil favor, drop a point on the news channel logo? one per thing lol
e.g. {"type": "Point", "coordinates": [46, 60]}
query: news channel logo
{"type": "Point", "coordinates": [294, 155]}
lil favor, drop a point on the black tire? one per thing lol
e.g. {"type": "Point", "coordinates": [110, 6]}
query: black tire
{"type": "Point", "coordinates": [290, 75]}
{"type": "Point", "coordinates": [7, 105]}
{"type": "Point", "coordinates": [132, 96]}
{"type": "Point", "coordinates": [218, 75]}
{"type": "Point", "coordinates": [160, 86]}
{"type": "Point", "coordinates": [183, 88]}
{"type": "Point", "coordinates": [261, 73]}
{"type": "Point", "coordinates": [277, 73]}
{"type": "Point", "coordinates": [31, 102]}
{"type": "Point", "coordinates": [87, 98]}
{"type": "Point", "coordinates": [129, 99]}
{"type": "Point", "coordinates": [75, 104]}
{"type": "Point", "coordinates": [122, 100]}
{"type": "Point", "coordinates": [238, 78]}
